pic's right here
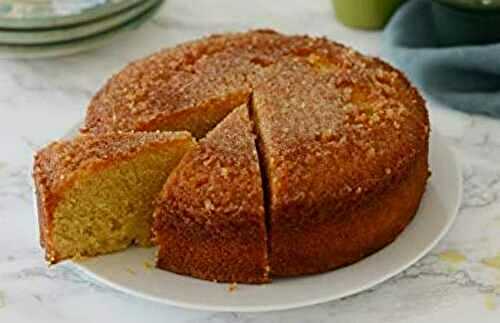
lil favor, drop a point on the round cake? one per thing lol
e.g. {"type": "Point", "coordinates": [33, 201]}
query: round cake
{"type": "Point", "coordinates": [341, 141]}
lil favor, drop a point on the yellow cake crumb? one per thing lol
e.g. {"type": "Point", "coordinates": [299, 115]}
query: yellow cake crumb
{"type": "Point", "coordinates": [232, 287]}
{"type": "Point", "coordinates": [148, 265]}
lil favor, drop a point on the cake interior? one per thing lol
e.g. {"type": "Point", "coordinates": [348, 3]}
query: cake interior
{"type": "Point", "coordinates": [110, 209]}
{"type": "Point", "coordinates": [209, 115]}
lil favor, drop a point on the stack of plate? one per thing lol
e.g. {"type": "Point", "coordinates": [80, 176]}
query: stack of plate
{"type": "Point", "coordinates": [43, 28]}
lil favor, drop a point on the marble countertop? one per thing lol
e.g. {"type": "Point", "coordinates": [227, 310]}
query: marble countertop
{"type": "Point", "coordinates": [41, 99]}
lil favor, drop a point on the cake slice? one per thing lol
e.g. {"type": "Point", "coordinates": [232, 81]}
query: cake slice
{"type": "Point", "coordinates": [95, 193]}
{"type": "Point", "coordinates": [209, 221]}
{"type": "Point", "coordinates": [345, 154]}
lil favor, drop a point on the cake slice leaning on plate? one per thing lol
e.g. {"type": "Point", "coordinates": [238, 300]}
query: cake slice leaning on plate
{"type": "Point", "coordinates": [95, 192]}
{"type": "Point", "coordinates": [210, 222]}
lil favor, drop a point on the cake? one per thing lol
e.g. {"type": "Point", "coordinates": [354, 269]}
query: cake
{"type": "Point", "coordinates": [209, 221]}
{"type": "Point", "coordinates": [325, 152]}
{"type": "Point", "coordinates": [95, 192]}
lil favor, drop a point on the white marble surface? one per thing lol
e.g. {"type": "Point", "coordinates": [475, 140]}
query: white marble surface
{"type": "Point", "coordinates": [40, 100]}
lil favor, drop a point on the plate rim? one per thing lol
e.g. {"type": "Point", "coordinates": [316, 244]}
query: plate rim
{"type": "Point", "coordinates": [457, 172]}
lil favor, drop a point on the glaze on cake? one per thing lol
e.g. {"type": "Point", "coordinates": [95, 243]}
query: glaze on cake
{"type": "Point", "coordinates": [342, 141]}
{"type": "Point", "coordinates": [194, 85]}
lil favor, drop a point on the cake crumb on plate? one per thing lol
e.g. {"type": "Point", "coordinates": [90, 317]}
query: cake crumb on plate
{"type": "Point", "coordinates": [232, 287]}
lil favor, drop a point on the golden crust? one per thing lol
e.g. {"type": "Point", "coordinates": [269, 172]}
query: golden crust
{"type": "Point", "coordinates": [165, 88]}
{"type": "Point", "coordinates": [345, 238]}
{"type": "Point", "coordinates": [340, 136]}
{"type": "Point", "coordinates": [209, 222]}
{"type": "Point", "coordinates": [57, 166]}
{"type": "Point", "coordinates": [333, 138]}
{"type": "Point", "coordinates": [343, 141]}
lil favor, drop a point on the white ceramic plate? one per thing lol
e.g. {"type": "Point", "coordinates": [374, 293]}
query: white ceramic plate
{"type": "Point", "coordinates": [131, 271]}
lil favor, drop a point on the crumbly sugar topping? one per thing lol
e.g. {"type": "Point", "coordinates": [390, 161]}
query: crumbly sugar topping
{"type": "Point", "coordinates": [203, 186]}
{"type": "Point", "coordinates": [318, 105]}
{"type": "Point", "coordinates": [59, 160]}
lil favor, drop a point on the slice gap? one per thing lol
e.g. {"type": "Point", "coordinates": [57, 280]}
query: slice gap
{"type": "Point", "coordinates": [95, 193]}
{"type": "Point", "coordinates": [263, 173]}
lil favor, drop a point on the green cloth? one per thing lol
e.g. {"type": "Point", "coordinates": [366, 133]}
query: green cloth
{"type": "Point", "coordinates": [466, 78]}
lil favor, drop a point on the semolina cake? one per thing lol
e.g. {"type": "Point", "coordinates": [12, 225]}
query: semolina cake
{"type": "Point", "coordinates": [95, 192]}
{"type": "Point", "coordinates": [311, 157]}
{"type": "Point", "coordinates": [209, 221]}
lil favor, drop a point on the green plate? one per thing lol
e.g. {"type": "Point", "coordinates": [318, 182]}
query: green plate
{"type": "Point", "coordinates": [37, 14]}
{"type": "Point", "coordinates": [36, 37]}
{"type": "Point", "coordinates": [76, 46]}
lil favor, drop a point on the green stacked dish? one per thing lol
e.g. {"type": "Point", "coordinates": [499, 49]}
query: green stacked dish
{"type": "Point", "coordinates": [59, 27]}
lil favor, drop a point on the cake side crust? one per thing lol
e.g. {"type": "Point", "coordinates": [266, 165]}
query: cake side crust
{"type": "Point", "coordinates": [347, 238]}
{"type": "Point", "coordinates": [209, 222]}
